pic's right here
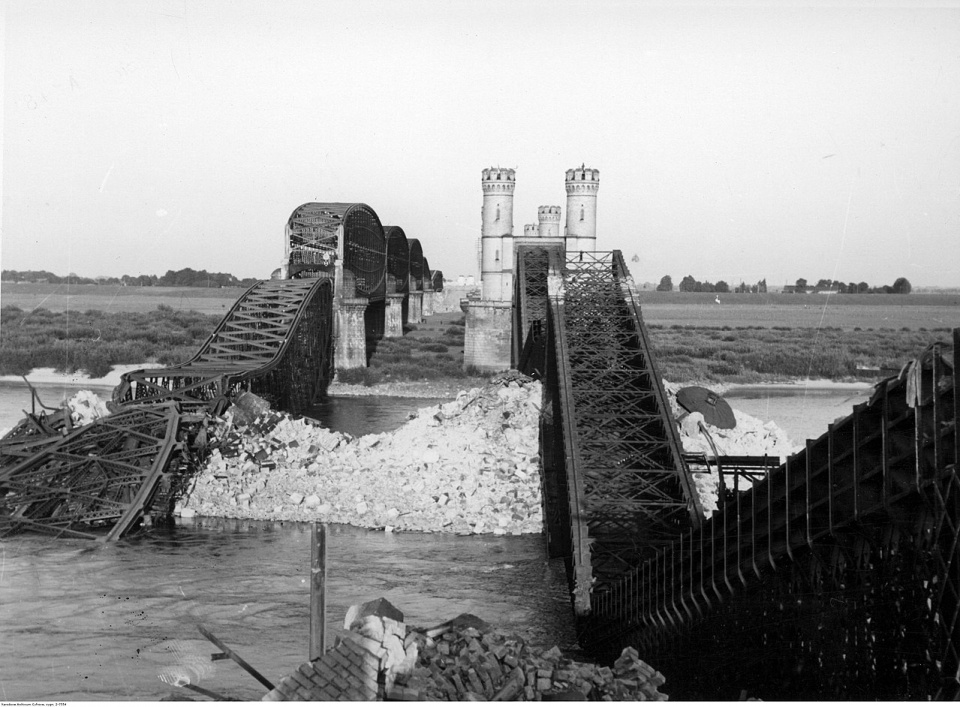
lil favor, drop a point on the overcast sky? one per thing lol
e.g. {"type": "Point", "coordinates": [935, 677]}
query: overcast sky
{"type": "Point", "coordinates": [733, 141]}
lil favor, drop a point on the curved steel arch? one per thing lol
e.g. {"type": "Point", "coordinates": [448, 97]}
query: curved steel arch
{"type": "Point", "coordinates": [427, 277]}
{"type": "Point", "coordinates": [313, 242]}
{"type": "Point", "coordinates": [437, 277]}
{"type": "Point", "coordinates": [398, 258]}
{"type": "Point", "coordinates": [416, 264]}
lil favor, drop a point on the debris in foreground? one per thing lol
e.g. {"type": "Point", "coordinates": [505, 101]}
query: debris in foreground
{"type": "Point", "coordinates": [461, 660]}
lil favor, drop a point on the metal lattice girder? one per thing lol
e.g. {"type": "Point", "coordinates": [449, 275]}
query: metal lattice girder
{"type": "Point", "coordinates": [531, 285]}
{"type": "Point", "coordinates": [313, 233]}
{"type": "Point", "coordinates": [275, 341]}
{"type": "Point", "coordinates": [630, 491]}
{"type": "Point", "coordinates": [104, 473]}
{"type": "Point", "coordinates": [845, 558]}
{"type": "Point", "coordinates": [416, 265]}
{"type": "Point", "coordinates": [398, 258]}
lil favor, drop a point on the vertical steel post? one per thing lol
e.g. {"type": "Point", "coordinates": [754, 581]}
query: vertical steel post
{"type": "Point", "coordinates": [856, 461]}
{"type": "Point", "coordinates": [809, 479]}
{"type": "Point", "coordinates": [830, 452]}
{"type": "Point", "coordinates": [318, 591]}
{"type": "Point", "coordinates": [887, 479]}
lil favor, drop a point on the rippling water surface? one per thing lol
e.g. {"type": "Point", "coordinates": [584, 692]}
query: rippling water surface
{"type": "Point", "coordinates": [80, 621]}
{"type": "Point", "coordinates": [85, 622]}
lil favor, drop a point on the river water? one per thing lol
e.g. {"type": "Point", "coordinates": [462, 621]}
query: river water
{"type": "Point", "coordinates": [90, 622]}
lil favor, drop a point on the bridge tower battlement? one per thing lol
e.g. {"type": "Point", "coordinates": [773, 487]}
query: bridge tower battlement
{"type": "Point", "coordinates": [549, 218]}
{"type": "Point", "coordinates": [496, 234]}
{"type": "Point", "coordinates": [531, 230]}
{"type": "Point", "coordinates": [582, 184]}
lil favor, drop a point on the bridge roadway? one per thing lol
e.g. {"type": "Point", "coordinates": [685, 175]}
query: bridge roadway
{"type": "Point", "coordinates": [835, 576]}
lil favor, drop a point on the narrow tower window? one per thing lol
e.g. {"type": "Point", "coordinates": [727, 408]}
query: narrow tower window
{"type": "Point", "coordinates": [581, 213]}
{"type": "Point", "coordinates": [498, 212]}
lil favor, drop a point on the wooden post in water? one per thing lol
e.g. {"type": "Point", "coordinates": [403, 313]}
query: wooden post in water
{"type": "Point", "coordinates": [318, 591]}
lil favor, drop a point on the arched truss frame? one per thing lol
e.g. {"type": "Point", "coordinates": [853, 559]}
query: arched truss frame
{"type": "Point", "coordinates": [416, 265]}
{"type": "Point", "coordinates": [314, 232]}
{"type": "Point", "coordinates": [427, 277]}
{"type": "Point", "coordinates": [398, 257]}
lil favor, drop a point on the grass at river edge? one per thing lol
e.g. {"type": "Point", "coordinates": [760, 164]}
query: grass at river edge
{"type": "Point", "coordinates": [428, 360]}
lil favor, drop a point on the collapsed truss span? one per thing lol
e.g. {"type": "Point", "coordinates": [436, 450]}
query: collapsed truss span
{"type": "Point", "coordinates": [275, 341]}
{"type": "Point", "coordinates": [101, 475]}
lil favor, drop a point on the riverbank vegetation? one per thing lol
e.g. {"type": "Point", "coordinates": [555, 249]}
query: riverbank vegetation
{"type": "Point", "coordinates": [749, 354]}
{"type": "Point", "coordinates": [751, 345]}
{"type": "Point", "coordinates": [95, 341]}
{"type": "Point", "coordinates": [430, 351]}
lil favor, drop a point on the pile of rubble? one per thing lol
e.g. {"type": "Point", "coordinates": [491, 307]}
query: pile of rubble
{"type": "Point", "coordinates": [751, 436]}
{"type": "Point", "coordinates": [86, 407]}
{"type": "Point", "coordinates": [467, 466]}
{"type": "Point", "coordinates": [467, 660]}
{"type": "Point", "coordinates": [461, 660]}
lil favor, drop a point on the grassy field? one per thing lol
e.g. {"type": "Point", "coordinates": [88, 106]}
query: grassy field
{"type": "Point", "coordinates": [430, 351]}
{"type": "Point", "coordinates": [745, 338]}
{"type": "Point", "coordinates": [95, 341]}
{"type": "Point", "coordinates": [804, 311]}
{"type": "Point", "coordinates": [112, 298]}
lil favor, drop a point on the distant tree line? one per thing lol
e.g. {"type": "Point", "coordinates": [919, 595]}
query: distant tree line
{"type": "Point", "coordinates": [691, 284]}
{"type": "Point", "coordinates": [900, 286]}
{"type": "Point", "coordinates": [187, 277]}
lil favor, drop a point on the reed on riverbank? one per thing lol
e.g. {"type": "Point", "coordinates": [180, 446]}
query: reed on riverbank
{"type": "Point", "coordinates": [95, 341]}
{"type": "Point", "coordinates": [751, 354]}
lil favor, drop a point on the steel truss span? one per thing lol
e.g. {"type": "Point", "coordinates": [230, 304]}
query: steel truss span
{"type": "Point", "coordinates": [276, 341]}
{"type": "Point", "coordinates": [613, 470]}
{"type": "Point", "coordinates": [836, 577]}
{"type": "Point", "coordinates": [398, 259]}
{"type": "Point", "coordinates": [416, 265]}
{"type": "Point", "coordinates": [531, 285]}
{"type": "Point", "coordinates": [313, 233]}
{"type": "Point", "coordinates": [97, 481]}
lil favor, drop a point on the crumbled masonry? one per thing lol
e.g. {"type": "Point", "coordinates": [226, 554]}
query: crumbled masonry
{"type": "Point", "coordinates": [469, 466]}
{"type": "Point", "coordinates": [461, 660]}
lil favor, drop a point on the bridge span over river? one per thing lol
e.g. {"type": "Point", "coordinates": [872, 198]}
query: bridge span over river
{"type": "Point", "coordinates": [833, 575]}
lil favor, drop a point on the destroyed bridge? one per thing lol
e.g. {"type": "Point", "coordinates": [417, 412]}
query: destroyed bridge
{"type": "Point", "coordinates": [833, 575]}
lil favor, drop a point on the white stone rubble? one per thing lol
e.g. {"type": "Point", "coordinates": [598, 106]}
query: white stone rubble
{"type": "Point", "coordinates": [86, 407]}
{"type": "Point", "coordinates": [467, 466]}
{"type": "Point", "coordinates": [751, 437]}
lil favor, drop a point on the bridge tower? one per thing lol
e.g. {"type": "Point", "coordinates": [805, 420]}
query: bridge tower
{"type": "Point", "coordinates": [496, 234]}
{"type": "Point", "coordinates": [531, 230]}
{"type": "Point", "coordinates": [582, 184]}
{"type": "Point", "coordinates": [549, 217]}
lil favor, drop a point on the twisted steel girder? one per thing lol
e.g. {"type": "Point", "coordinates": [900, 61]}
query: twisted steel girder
{"type": "Point", "coordinates": [275, 341]}
{"type": "Point", "coordinates": [104, 474]}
